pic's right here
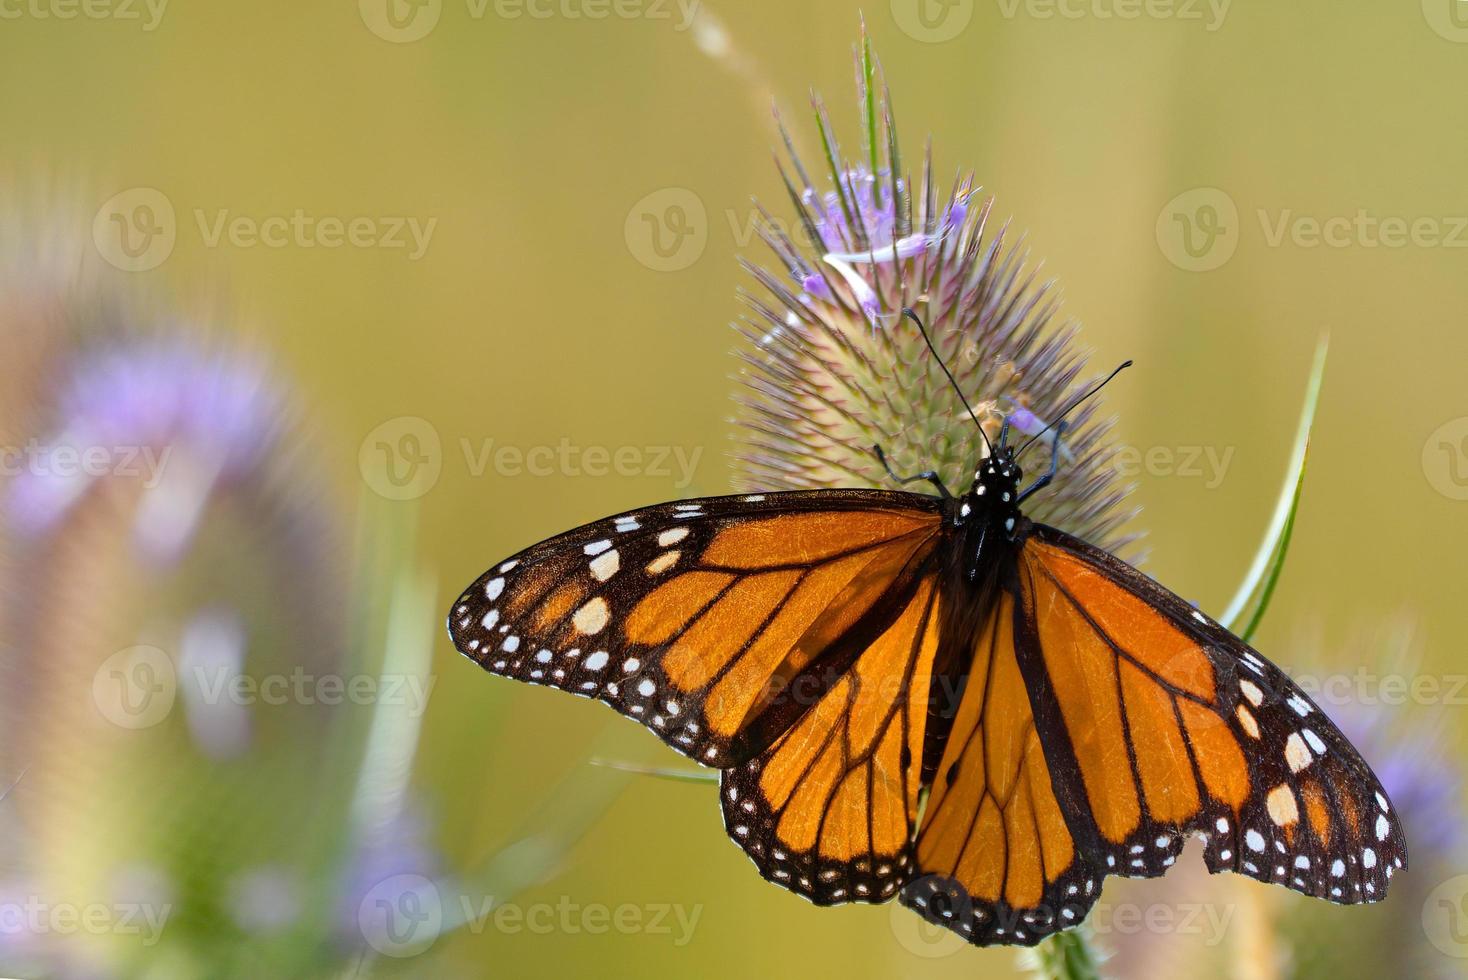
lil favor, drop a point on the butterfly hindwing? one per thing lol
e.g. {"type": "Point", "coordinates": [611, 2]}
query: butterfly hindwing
{"type": "Point", "coordinates": [706, 620]}
{"type": "Point", "coordinates": [996, 859]}
{"type": "Point", "coordinates": [828, 811]}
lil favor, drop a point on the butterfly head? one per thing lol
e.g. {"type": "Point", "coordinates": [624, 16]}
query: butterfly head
{"type": "Point", "coordinates": [996, 483]}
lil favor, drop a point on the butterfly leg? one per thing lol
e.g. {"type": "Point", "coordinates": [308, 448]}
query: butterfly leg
{"type": "Point", "coordinates": [1044, 481]}
{"type": "Point", "coordinates": [931, 475]}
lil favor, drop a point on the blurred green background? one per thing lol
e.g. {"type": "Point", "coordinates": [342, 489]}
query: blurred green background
{"type": "Point", "coordinates": [1166, 167]}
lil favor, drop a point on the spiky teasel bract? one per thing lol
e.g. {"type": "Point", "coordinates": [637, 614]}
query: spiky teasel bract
{"type": "Point", "coordinates": [831, 368]}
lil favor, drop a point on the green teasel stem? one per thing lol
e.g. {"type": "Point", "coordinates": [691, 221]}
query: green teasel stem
{"type": "Point", "coordinates": [1065, 956]}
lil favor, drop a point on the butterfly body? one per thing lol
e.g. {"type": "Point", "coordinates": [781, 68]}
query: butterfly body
{"type": "Point", "coordinates": [935, 698]}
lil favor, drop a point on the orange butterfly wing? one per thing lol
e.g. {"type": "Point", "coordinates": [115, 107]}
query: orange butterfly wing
{"type": "Point", "coordinates": [716, 623]}
{"type": "Point", "coordinates": [1155, 724]}
{"type": "Point", "coordinates": [829, 809]}
{"type": "Point", "coordinates": [996, 861]}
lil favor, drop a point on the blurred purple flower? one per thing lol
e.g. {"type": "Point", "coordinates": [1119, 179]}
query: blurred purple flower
{"type": "Point", "coordinates": [396, 849]}
{"type": "Point", "coordinates": [168, 414]}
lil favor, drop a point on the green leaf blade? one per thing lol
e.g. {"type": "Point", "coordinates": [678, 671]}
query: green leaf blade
{"type": "Point", "coordinates": [1259, 583]}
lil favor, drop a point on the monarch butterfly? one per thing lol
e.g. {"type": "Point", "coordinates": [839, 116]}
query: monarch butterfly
{"type": "Point", "coordinates": [935, 697]}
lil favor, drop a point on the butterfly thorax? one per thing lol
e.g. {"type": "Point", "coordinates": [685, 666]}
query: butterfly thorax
{"type": "Point", "coordinates": [988, 516]}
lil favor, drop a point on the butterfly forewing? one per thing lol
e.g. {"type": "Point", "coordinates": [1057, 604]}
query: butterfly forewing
{"type": "Point", "coordinates": [714, 622]}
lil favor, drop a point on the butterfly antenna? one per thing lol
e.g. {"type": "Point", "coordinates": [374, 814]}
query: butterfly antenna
{"type": "Point", "coordinates": [907, 312]}
{"type": "Point", "coordinates": [1073, 406]}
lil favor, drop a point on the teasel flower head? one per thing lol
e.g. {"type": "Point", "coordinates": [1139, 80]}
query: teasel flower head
{"type": "Point", "coordinates": [832, 368]}
{"type": "Point", "coordinates": [169, 549]}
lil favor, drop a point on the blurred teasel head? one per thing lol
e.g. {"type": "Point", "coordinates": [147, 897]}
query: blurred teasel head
{"type": "Point", "coordinates": [169, 554]}
{"type": "Point", "coordinates": [832, 368]}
